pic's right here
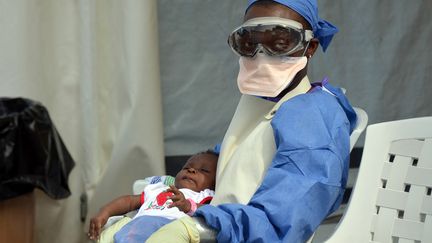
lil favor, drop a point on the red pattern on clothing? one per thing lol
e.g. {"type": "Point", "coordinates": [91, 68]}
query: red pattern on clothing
{"type": "Point", "coordinates": [142, 198]}
{"type": "Point", "coordinates": [206, 200]}
{"type": "Point", "coordinates": [163, 197]}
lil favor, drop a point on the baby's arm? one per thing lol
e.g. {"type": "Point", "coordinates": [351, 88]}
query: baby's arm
{"type": "Point", "coordinates": [118, 206]}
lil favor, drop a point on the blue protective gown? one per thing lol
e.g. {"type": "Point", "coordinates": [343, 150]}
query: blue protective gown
{"type": "Point", "coordinates": [306, 179]}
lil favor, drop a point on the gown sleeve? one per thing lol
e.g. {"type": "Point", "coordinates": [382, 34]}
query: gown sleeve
{"type": "Point", "coordinates": [304, 183]}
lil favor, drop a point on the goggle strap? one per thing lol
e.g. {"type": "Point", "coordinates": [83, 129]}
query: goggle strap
{"type": "Point", "coordinates": [305, 49]}
{"type": "Point", "coordinates": [272, 21]}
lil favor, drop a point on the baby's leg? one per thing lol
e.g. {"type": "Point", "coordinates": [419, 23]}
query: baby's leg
{"type": "Point", "coordinates": [180, 230]}
{"type": "Point", "coordinates": [107, 235]}
{"type": "Point", "coordinates": [139, 229]}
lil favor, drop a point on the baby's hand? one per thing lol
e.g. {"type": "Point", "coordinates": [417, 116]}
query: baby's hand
{"type": "Point", "coordinates": [96, 224]}
{"type": "Point", "coordinates": [179, 200]}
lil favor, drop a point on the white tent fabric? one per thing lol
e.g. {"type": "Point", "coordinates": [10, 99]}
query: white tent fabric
{"type": "Point", "coordinates": [95, 66]}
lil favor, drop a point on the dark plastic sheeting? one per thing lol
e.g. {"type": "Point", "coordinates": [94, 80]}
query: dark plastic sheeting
{"type": "Point", "coordinates": [32, 152]}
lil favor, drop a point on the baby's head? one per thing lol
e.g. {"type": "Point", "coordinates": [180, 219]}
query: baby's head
{"type": "Point", "coordinates": [199, 172]}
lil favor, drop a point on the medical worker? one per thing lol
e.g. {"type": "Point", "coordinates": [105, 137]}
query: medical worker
{"type": "Point", "coordinates": [283, 163]}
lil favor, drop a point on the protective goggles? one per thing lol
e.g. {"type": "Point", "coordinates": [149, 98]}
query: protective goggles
{"type": "Point", "coordinates": [272, 35]}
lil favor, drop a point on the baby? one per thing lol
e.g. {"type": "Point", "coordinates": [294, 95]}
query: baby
{"type": "Point", "coordinates": [159, 203]}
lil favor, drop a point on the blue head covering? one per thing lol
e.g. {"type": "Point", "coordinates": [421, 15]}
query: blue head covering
{"type": "Point", "coordinates": [323, 30]}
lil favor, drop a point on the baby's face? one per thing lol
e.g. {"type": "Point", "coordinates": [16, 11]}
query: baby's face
{"type": "Point", "coordinates": [198, 173]}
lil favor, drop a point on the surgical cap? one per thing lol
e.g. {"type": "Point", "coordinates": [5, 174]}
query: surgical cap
{"type": "Point", "coordinates": [308, 9]}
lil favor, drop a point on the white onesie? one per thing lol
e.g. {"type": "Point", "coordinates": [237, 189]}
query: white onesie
{"type": "Point", "coordinates": [155, 201]}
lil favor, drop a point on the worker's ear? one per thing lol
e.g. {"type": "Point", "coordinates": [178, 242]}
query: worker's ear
{"type": "Point", "coordinates": [312, 47]}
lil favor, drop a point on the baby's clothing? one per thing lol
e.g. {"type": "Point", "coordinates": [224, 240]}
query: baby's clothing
{"type": "Point", "coordinates": [155, 202]}
{"type": "Point", "coordinates": [139, 229]}
{"type": "Point", "coordinates": [155, 213]}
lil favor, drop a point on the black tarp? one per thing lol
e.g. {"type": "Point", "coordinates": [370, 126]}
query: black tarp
{"type": "Point", "coordinates": [32, 152]}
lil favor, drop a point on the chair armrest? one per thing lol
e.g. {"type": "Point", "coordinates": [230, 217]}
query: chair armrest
{"type": "Point", "coordinates": [207, 234]}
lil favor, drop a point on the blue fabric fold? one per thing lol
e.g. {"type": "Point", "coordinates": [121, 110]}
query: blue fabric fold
{"type": "Point", "coordinates": [217, 148]}
{"type": "Point", "coordinates": [344, 103]}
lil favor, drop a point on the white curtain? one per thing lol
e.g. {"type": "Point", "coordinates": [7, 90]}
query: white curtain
{"type": "Point", "coordinates": [94, 64]}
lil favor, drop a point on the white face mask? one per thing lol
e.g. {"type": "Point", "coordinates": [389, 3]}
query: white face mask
{"type": "Point", "coordinates": [267, 76]}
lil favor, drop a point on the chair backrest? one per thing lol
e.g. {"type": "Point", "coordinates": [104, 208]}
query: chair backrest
{"type": "Point", "coordinates": [391, 200]}
{"type": "Point", "coordinates": [362, 120]}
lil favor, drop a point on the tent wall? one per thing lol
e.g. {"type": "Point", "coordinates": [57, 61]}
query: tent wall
{"type": "Point", "coordinates": [380, 56]}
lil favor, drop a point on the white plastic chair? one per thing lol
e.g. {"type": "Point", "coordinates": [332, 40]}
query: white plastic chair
{"type": "Point", "coordinates": [391, 200]}
{"type": "Point", "coordinates": [362, 121]}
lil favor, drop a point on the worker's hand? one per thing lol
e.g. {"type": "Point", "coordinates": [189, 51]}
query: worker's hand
{"type": "Point", "coordinates": [179, 200]}
{"type": "Point", "coordinates": [96, 224]}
